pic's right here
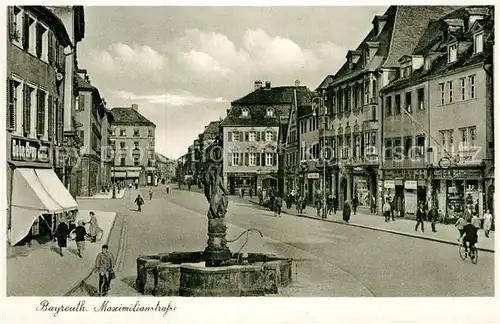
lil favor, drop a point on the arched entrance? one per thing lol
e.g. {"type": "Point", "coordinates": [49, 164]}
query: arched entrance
{"type": "Point", "coordinates": [342, 192]}
{"type": "Point", "coordinates": [269, 183]}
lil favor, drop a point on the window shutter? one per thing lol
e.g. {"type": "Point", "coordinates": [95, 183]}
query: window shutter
{"type": "Point", "coordinates": [12, 111]}
{"type": "Point", "coordinates": [257, 136]}
{"type": "Point", "coordinates": [257, 158]}
{"type": "Point", "coordinates": [41, 116]}
{"type": "Point", "coordinates": [27, 110]}
{"type": "Point", "coordinates": [50, 116]}
{"type": "Point", "coordinates": [229, 136]}
{"type": "Point", "coordinates": [37, 112]}
{"type": "Point", "coordinates": [26, 31]}
{"type": "Point", "coordinates": [240, 160]}
{"type": "Point", "coordinates": [275, 135]}
{"type": "Point", "coordinates": [229, 159]}
{"type": "Point", "coordinates": [50, 49]}
{"type": "Point", "coordinates": [12, 18]}
{"type": "Point", "coordinates": [246, 159]}
{"type": "Point", "coordinates": [38, 41]}
{"type": "Point", "coordinates": [263, 159]}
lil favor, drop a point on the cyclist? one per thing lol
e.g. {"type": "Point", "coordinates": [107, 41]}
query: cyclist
{"type": "Point", "coordinates": [469, 235]}
{"type": "Point", "coordinates": [104, 264]}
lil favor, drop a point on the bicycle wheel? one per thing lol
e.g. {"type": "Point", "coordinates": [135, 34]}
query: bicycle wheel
{"type": "Point", "coordinates": [474, 255]}
{"type": "Point", "coordinates": [461, 251]}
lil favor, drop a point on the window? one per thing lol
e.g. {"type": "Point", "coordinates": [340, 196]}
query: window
{"type": "Point", "coordinates": [30, 35]}
{"type": "Point", "coordinates": [464, 136]}
{"type": "Point", "coordinates": [269, 112]}
{"type": "Point", "coordinates": [420, 145]}
{"type": "Point", "coordinates": [462, 88]}
{"type": "Point", "coordinates": [472, 87]}
{"type": "Point", "coordinates": [397, 104]}
{"type": "Point", "coordinates": [16, 25]}
{"type": "Point", "coordinates": [122, 161]}
{"type": "Point", "coordinates": [452, 53]}
{"type": "Point", "coordinates": [388, 149]}
{"type": "Point", "coordinates": [136, 132]}
{"type": "Point", "coordinates": [42, 42]}
{"type": "Point", "coordinates": [441, 93]}
{"type": "Point", "coordinates": [27, 108]}
{"type": "Point", "coordinates": [357, 146]}
{"type": "Point", "coordinates": [244, 112]}
{"type": "Point", "coordinates": [269, 136]}
{"type": "Point", "coordinates": [236, 159]}
{"type": "Point", "coordinates": [137, 161]}
{"type": "Point", "coordinates": [450, 91]}
{"type": "Point", "coordinates": [113, 132]}
{"type": "Point", "coordinates": [14, 105]}
{"type": "Point", "coordinates": [252, 159]}
{"type": "Point", "coordinates": [136, 144]}
{"type": "Point", "coordinates": [478, 43]}
{"type": "Point", "coordinates": [407, 146]}
{"type": "Point", "coordinates": [388, 105]}
{"type": "Point", "coordinates": [269, 159]}
{"type": "Point", "coordinates": [236, 136]}
{"type": "Point", "coordinates": [122, 145]}
{"type": "Point", "coordinates": [150, 132]}
{"type": "Point", "coordinates": [252, 136]}
{"type": "Point", "coordinates": [396, 148]}
{"type": "Point", "coordinates": [367, 92]}
{"type": "Point", "coordinates": [472, 136]}
{"type": "Point", "coordinates": [408, 102]}
{"type": "Point", "coordinates": [347, 146]}
{"type": "Point", "coordinates": [421, 98]}
{"type": "Point", "coordinates": [40, 113]}
{"type": "Point", "coordinates": [123, 132]}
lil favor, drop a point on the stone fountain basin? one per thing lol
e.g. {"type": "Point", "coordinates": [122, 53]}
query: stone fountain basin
{"type": "Point", "coordinates": [185, 274]}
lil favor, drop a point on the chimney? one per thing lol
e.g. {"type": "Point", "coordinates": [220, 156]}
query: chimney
{"type": "Point", "coordinates": [268, 84]}
{"type": "Point", "coordinates": [257, 84]}
{"type": "Point", "coordinates": [379, 23]}
{"type": "Point", "coordinates": [227, 111]}
{"type": "Point", "coordinates": [297, 83]}
{"type": "Point", "coordinates": [135, 107]}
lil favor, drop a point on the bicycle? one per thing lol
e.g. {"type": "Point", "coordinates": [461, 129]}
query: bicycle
{"type": "Point", "coordinates": [472, 253]}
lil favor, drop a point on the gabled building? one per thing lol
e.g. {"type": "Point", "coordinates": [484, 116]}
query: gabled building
{"type": "Point", "coordinates": [133, 141]}
{"type": "Point", "coordinates": [440, 107]}
{"type": "Point", "coordinates": [250, 135]}
{"type": "Point", "coordinates": [351, 97]}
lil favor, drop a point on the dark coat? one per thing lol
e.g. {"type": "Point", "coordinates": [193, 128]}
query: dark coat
{"type": "Point", "coordinates": [139, 201]}
{"type": "Point", "coordinates": [420, 214]}
{"type": "Point", "coordinates": [346, 213]}
{"type": "Point", "coordinates": [62, 234]}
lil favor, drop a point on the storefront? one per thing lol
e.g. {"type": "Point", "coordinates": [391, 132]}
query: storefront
{"type": "Point", "coordinates": [37, 197]}
{"type": "Point", "coordinates": [456, 188]}
{"type": "Point", "coordinates": [240, 180]}
{"type": "Point", "coordinates": [405, 188]}
{"type": "Point", "coordinates": [312, 186]}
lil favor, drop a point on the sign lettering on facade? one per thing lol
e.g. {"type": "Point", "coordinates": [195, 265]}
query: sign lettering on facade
{"type": "Point", "coordinates": [27, 150]}
{"type": "Point", "coordinates": [410, 174]}
{"type": "Point", "coordinates": [389, 184]}
{"type": "Point", "coordinates": [410, 184]}
{"type": "Point", "coordinates": [313, 176]}
{"type": "Point", "coordinates": [457, 174]}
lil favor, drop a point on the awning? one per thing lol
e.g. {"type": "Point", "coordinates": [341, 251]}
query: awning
{"type": "Point", "coordinates": [133, 174]}
{"type": "Point", "coordinates": [119, 174]}
{"type": "Point", "coordinates": [54, 186]}
{"type": "Point", "coordinates": [29, 201]}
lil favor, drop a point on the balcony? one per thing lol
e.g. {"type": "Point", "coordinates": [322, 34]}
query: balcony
{"type": "Point", "coordinates": [417, 162]}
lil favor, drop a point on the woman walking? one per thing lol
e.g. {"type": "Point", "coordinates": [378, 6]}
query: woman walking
{"type": "Point", "coordinates": [488, 219]}
{"type": "Point", "coordinates": [346, 214]}
{"type": "Point", "coordinates": [355, 203]}
{"type": "Point", "coordinates": [139, 201]}
{"type": "Point", "coordinates": [62, 232]}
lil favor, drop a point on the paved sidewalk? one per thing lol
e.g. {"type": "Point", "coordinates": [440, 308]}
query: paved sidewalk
{"type": "Point", "coordinates": [445, 233]}
{"type": "Point", "coordinates": [43, 272]}
{"type": "Point", "coordinates": [106, 195]}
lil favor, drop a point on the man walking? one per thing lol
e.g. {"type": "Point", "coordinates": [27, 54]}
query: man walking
{"type": "Point", "coordinates": [62, 235]}
{"type": "Point", "coordinates": [150, 193]}
{"type": "Point", "coordinates": [80, 233]}
{"type": "Point", "coordinates": [277, 206]}
{"type": "Point", "coordinates": [355, 203]}
{"type": "Point", "coordinates": [433, 216]}
{"type": "Point", "coordinates": [420, 217]}
{"type": "Point", "coordinates": [139, 202]}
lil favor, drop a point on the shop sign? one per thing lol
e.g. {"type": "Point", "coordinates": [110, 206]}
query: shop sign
{"type": "Point", "coordinates": [410, 174]}
{"type": "Point", "coordinates": [458, 174]}
{"type": "Point", "coordinates": [410, 184]}
{"type": "Point", "coordinates": [389, 184]}
{"type": "Point", "coordinates": [29, 150]}
{"type": "Point", "coordinates": [313, 176]}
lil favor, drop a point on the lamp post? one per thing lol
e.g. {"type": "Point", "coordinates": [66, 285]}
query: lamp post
{"type": "Point", "coordinates": [323, 111]}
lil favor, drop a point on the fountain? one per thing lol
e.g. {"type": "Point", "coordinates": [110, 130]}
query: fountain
{"type": "Point", "coordinates": [215, 271]}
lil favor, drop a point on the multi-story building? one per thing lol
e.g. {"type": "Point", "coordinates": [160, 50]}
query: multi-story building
{"type": "Point", "coordinates": [36, 74]}
{"type": "Point", "coordinates": [350, 100]}
{"type": "Point", "coordinates": [166, 168]}
{"type": "Point", "coordinates": [440, 107]}
{"type": "Point", "coordinates": [250, 137]}
{"type": "Point", "coordinates": [107, 157]}
{"type": "Point", "coordinates": [90, 112]}
{"type": "Point", "coordinates": [133, 140]}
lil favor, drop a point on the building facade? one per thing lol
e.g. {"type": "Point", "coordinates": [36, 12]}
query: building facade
{"type": "Point", "coordinates": [36, 73]}
{"type": "Point", "coordinates": [166, 168]}
{"type": "Point", "coordinates": [439, 108]}
{"type": "Point", "coordinates": [133, 141]}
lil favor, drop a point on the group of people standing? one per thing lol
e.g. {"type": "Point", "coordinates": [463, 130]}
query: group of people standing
{"type": "Point", "coordinates": [63, 232]}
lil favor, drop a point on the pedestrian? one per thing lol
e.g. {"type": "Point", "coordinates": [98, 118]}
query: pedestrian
{"type": "Point", "coordinates": [62, 232]}
{"type": "Point", "coordinates": [373, 204]}
{"type": "Point", "coordinates": [459, 224]}
{"type": "Point", "coordinates": [130, 185]}
{"type": "Point", "coordinates": [346, 214]}
{"type": "Point", "coordinates": [277, 206]}
{"type": "Point", "coordinates": [80, 233]}
{"type": "Point", "coordinates": [488, 220]}
{"type": "Point", "coordinates": [318, 204]}
{"type": "Point", "coordinates": [481, 220]}
{"type": "Point", "coordinates": [139, 201]}
{"type": "Point", "coordinates": [150, 193]}
{"type": "Point", "coordinates": [468, 213]}
{"type": "Point", "coordinates": [93, 227]}
{"type": "Point", "coordinates": [250, 193]}
{"type": "Point", "coordinates": [420, 217]}
{"type": "Point", "coordinates": [355, 203]}
{"type": "Point", "coordinates": [104, 264]}
{"type": "Point", "coordinates": [476, 221]}
{"type": "Point", "coordinates": [300, 202]}
{"type": "Point", "coordinates": [243, 193]}
{"type": "Point", "coordinates": [387, 210]}
{"type": "Point", "coordinates": [168, 188]}
{"type": "Point", "coordinates": [433, 216]}
{"type": "Point", "coordinates": [335, 204]}
{"type": "Point", "coordinates": [393, 207]}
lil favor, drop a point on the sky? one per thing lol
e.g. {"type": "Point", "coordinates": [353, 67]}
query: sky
{"type": "Point", "coordinates": [184, 65]}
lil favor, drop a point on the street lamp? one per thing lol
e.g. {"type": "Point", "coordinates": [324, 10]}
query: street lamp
{"type": "Point", "coordinates": [323, 111]}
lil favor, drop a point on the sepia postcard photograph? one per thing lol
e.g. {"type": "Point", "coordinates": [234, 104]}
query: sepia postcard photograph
{"type": "Point", "coordinates": [155, 154]}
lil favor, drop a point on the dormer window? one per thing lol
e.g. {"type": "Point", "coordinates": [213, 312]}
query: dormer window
{"type": "Point", "coordinates": [452, 53]}
{"type": "Point", "coordinates": [244, 112]}
{"type": "Point", "coordinates": [478, 43]}
{"type": "Point", "coordinates": [269, 112]}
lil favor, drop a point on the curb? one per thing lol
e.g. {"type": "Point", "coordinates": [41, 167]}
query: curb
{"type": "Point", "coordinates": [80, 282]}
{"type": "Point", "coordinates": [88, 198]}
{"type": "Point", "coordinates": [381, 230]}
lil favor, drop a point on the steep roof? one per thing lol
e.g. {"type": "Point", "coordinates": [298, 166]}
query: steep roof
{"type": "Point", "coordinates": [129, 116]}
{"type": "Point", "coordinates": [409, 25]}
{"type": "Point", "coordinates": [83, 84]}
{"type": "Point", "coordinates": [212, 127]}
{"type": "Point", "coordinates": [267, 96]}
